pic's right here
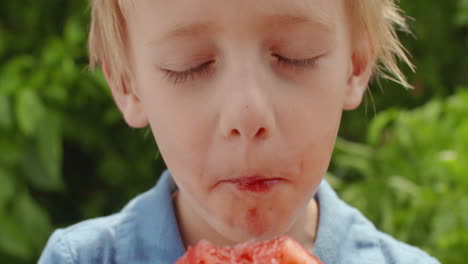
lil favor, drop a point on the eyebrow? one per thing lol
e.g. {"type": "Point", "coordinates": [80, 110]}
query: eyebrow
{"type": "Point", "coordinates": [192, 29]}
{"type": "Point", "coordinates": [275, 20]}
{"type": "Point", "coordinates": [299, 18]}
{"type": "Point", "coordinates": [184, 31]}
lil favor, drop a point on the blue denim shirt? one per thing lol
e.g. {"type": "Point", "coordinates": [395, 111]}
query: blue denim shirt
{"type": "Point", "coordinates": [146, 231]}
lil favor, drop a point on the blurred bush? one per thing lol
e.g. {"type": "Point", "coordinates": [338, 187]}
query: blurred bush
{"type": "Point", "coordinates": [439, 50]}
{"type": "Point", "coordinates": [66, 155]}
{"type": "Point", "coordinates": [410, 176]}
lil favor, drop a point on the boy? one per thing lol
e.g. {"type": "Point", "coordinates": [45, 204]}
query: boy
{"type": "Point", "coordinates": [244, 99]}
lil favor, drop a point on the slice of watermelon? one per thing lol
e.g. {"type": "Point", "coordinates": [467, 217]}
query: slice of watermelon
{"type": "Point", "coordinates": [282, 250]}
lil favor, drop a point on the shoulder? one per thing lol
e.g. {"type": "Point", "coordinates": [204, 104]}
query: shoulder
{"type": "Point", "coordinates": [346, 236]}
{"type": "Point", "coordinates": [143, 232]}
{"type": "Point", "coordinates": [366, 243]}
{"type": "Point", "coordinates": [103, 239]}
{"type": "Point", "coordinates": [91, 241]}
{"type": "Point", "coordinates": [399, 252]}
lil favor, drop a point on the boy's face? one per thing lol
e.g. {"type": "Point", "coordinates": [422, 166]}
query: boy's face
{"type": "Point", "coordinates": [244, 99]}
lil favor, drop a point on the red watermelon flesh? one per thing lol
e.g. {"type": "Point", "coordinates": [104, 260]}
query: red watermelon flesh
{"type": "Point", "coordinates": [281, 250]}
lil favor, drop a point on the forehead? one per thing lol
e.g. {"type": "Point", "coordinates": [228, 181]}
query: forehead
{"type": "Point", "coordinates": [178, 17]}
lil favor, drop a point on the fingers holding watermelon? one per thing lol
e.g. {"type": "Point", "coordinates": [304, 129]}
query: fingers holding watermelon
{"type": "Point", "coordinates": [282, 250]}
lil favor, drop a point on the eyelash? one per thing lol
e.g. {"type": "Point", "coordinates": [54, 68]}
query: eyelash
{"type": "Point", "coordinates": [297, 64]}
{"type": "Point", "coordinates": [178, 77]}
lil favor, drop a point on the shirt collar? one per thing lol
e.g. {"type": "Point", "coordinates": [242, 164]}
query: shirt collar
{"type": "Point", "coordinates": [150, 227]}
{"type": "Point", "coordinates": [335, 217]}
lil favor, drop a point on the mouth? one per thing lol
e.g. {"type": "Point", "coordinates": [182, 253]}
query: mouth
{"type": "Point", "coordinates": [257, 183]}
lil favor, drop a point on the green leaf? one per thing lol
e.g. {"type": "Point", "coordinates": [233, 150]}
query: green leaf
{"type": "Point", "coordinates": [32, 219]}
{"type": "Point", "coordinates": [57, 93]}
{"type": "Point", "coordinates": [353, 148]}
{"type": "Point", "coordinates": [42, 159]}
{"type": "Point", "coordinates": [50, 151]}
{"type": "Point", "coordinates": [112, 116]}
{"type": "Point", "coordinates": [3, 41]}
{"type": "Point", "coordinates": [11, 146]}
{"type": "Point", "coordinates": [461, 18]}
{"type": "Point", "coordinates": [5, 112]}
{"type": "Point", "coordinates": [74, 32]}
{"type": "Point", "coordinates": [68, 70]}
{"type": "Point", "coordinates": [403, 185]}
{"type": "Point", "coordinates": [11, 74]}
{"type": "Point", "coordinates": [13, 241]}
{"type": "Point", "coordinates": [378, 125]}
{"type": "Point", "coordinates": [53, 52]}
{"type": "Point", "coordinates": [29, 111]}
{"type": "Point", "coordinates": [7, 187]}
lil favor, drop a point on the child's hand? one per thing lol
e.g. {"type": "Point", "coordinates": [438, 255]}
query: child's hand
{"type": "Point", "coordinates": [283, 250]}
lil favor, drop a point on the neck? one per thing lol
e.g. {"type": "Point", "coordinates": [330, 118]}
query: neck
{"type": "Point", "coordinates": [305, 228]}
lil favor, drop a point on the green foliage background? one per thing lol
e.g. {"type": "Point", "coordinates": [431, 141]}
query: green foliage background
{"type": "Point", "coordinates": [66, 155]}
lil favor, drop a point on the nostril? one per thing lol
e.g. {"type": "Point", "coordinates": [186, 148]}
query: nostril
{"type": "Point", "coordinates": [235, 132]}
{"type": "Point", "coordinates": [261, 132]}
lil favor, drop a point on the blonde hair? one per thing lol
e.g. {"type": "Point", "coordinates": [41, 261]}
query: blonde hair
{"type": "Point", "coordinates": [379, 18]}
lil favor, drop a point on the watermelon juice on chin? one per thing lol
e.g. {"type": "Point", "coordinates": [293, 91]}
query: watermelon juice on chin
{"type": "Point", "coordinates": [282, 250]}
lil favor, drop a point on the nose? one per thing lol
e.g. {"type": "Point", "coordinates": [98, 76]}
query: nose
{"type": "Point", "coordinates": [247, 112]}
{"type": "Point", "coordinates": [247, 124]}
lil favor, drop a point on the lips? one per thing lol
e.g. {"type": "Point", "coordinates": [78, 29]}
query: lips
{"type": "Point", "coordinates": [257, 183]}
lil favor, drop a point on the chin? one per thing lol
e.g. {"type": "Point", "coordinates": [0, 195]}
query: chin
{"type": "Point", "coordinates": [257, 229]}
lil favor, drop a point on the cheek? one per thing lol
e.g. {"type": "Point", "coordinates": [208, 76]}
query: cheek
{"type": "Point", "coordinates": [312, 122]}
{"type": "Point", "coordinates": [183, 145]}
{"type": "Point", "coordinates": [318, 103]}
{"type": "Point", "coordinates": [181, 129]}
{"type": "Point", "coordinates": [316, 155]}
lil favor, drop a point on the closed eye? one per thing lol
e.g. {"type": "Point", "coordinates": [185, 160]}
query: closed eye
{"type": "Point", "coordinates": [296, 63]}
{"type": "Point", "coordinates": [177, 77]}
